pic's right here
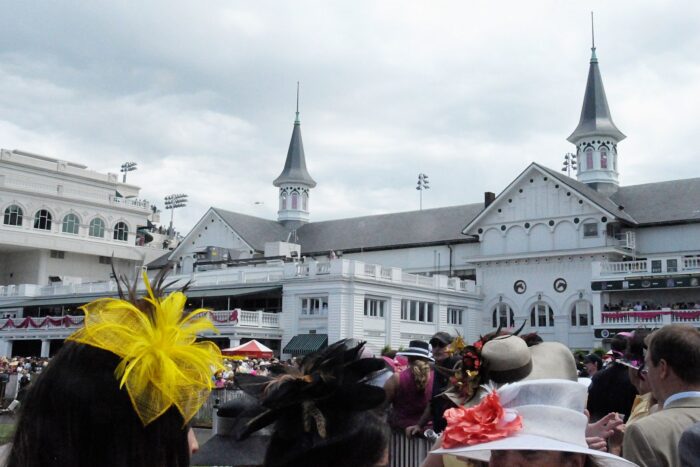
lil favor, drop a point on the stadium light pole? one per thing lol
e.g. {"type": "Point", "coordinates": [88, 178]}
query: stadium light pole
{"type": "Point", "coordinates": [423, 184]}
{"type": "Point", "coordinates": [569, 163]}
{"type": "Point", "coordinates": [126, 168]}
{"type": "Point", "coordinates": [173, 202]}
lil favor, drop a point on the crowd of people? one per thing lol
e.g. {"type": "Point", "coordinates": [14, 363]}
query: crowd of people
{"type": "Point", "coordinates": [122, 390]}
{"type": "Point", "coordinates": [647, 305]}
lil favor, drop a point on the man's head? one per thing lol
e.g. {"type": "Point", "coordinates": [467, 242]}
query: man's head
{"type": "Point", "coordinates": [673, 360]}
{"type": "Point", "coordinates": [439, 343]}
{"type": "Point", "coordinates": [592, 363]}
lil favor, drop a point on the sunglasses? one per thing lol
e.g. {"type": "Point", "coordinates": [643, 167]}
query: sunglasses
{"type": "Point", "coordinates": [438, 344]}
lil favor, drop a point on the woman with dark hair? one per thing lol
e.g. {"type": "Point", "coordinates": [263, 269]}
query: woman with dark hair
{"type": "Point", "coordinates": [122, 389]}
{"type": "Point", "coordinates": [324, 413]}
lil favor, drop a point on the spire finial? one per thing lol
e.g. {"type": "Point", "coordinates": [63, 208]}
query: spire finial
{"type": "Point", "coordinates": [297, 119]}
{"type": "Point", "coordinates": [593, 56]}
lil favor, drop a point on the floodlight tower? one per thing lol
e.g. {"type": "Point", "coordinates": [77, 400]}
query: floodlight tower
{"type": "Point", "coordinates": [173, 202]}
{"type": "Point", "coordinates": [128, 167]}
{"type": "Point", "coordinates": [423, 184]}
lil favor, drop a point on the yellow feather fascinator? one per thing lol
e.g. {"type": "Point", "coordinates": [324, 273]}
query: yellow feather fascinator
{"type": "Point", "coordinates": [161, 364]}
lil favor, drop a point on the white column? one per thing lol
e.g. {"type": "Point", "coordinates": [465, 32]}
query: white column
{"type": "Point", "coordinates": [234, 342]}
{"type": "Point", "coordinates": [45, 347]}
{"type": "Point", "coordinates": [5, 348]}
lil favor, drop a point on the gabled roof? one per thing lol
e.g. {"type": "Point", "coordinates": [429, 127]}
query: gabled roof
{"type": "Point", "coordinates": [295, 166]}
{"type": "Point", "coordinates": [594, 196]}
{"type": "Point", "coordinates": [595, 114]}
{"type": "Point", "coordinates": [254, 230]}
{"type": "Point", "coordinates": [583, 190]}
{"type": "Point", "coordinates": [402, 229]}
{"type": "Point", "coordinates": [673, 201]}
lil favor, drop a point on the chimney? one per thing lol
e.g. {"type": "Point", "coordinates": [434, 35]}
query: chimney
{"type": "Point", "coordinates": [489, 198]}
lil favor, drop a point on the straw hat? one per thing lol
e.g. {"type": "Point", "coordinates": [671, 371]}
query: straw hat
{"type": "Point", "coordinates": [552, 419]}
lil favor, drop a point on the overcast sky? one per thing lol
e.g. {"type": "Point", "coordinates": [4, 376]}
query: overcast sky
{"type": "Point", "coordinates": [201, 94]}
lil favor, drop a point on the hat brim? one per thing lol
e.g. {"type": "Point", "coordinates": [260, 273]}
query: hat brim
{"type": "Point", "coordinates": [408, 353]}
{"type": "Point", "coordinates": [482, 452]}
{"type": "Point", "coordinates": [223, 450]}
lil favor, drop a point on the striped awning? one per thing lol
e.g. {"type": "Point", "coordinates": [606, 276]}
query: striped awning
{"type": "Point", "coordinates": [303, 344]}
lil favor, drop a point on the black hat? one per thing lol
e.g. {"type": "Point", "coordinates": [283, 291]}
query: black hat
{"type": "Point", "coordinates": [224, 448]}
{"type": "Point", "coordinates": [441, 337]}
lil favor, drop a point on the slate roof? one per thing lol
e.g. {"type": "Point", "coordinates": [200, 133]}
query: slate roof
{"type": "Point", "coordinates": [595, 114]}
{"type": "Point", "coordinates": [388, 230]}
{"type": "Point", "coordinates": [254, 230]}
{"type": "Point", "coordinates": [601, 200]}
{"type": "Point", "coordinates": [295, 166]}
{"type": "Point", "coordinates": [673, 201]}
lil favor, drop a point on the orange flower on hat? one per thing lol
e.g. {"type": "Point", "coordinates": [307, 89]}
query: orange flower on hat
{"type": "Point", "coordinates": [487, 421]}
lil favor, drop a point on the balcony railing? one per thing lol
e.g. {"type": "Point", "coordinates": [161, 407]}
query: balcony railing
{"type": "Point", "coordinates": [664, 265]}
{"type": "Point", "coordinates": [255, 319]}
{"type": "Point", "coordinates": [651, 318]}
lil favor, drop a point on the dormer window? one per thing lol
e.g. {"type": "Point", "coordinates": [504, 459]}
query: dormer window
{"type": "Point", "coordinates": [283, 202]}
{"type": "Point", "coordinates": [589, 158]}
{"type": "Point", "coordinates": [603, 158]}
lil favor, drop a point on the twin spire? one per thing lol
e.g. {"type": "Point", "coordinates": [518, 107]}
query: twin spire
{"type": "Point", "coordinates": [595, 114]}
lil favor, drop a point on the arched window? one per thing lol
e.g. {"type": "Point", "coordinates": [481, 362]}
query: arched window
{"type": "Point", "coordinates": [42, 220]}
{"type": "Point", "coordinates": [541, 315]}
{"type": "Point", "coordinates": [97, 228]}
{"type": "Point", "coordinates": [295, 200]}
{"type": "Point", "coordinates": [603, 157]}
{"type": "Point", "coordinates": [71, 224]}
{"type": "Point", "coordinates": [589, 158]}
{"type": "Point", "coordinates": [13, 215]}
{"type": "Point", "coordinates": [305, 202]}
{"type": "Point", "coordinates": [503, 316]}
{"type": "Point", "coordinates": [582, 313]}
{"type": "Point", "coordinates": [121, 232]}
{"type": "Point", "coordinates": [283, 202]}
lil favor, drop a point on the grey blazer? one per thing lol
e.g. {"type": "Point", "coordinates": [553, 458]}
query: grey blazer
{"type": "Point", "coordinates": [653, 440]}
{"type": "Point", "coordinates": [689, 446]}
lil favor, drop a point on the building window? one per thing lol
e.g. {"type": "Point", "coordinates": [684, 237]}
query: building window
{"type": "Point", "coordinates": [97, 228]}
{"type": "Point", "coordinates": [105, 260]}
{"type": "Point", "coordinates": [415, 310]}
{"type": "Point", "coordinates": [305, 202]}
{"type": "Point", "coordinates": [374, 307]}
{"type": "Point", "coordinates": [121, 232]}
{"type": "Point", "coordinates": [603, 158]}
{"type": "Point", "coordinates": [502, 316]}
{"type": "Point", "coordinates": [42, 220]}
{"type": "Point", "coordinates": [671, 265]}
{"type": "Point", "coordinates": [314, 306]}
{"type": "Point", "coordinates": [58, 254]}
{"type": "Point", "coordinates": [13, 215]}
{"type": "Point", "coordinates": [655, 265]}
{"type": "Point", "coordinates": [590, 230]}
{"type": "Point", "coordinates": [71, 224]}
{"type": "Point", "coordinates": [589, 158]}
{"type": "Point", "coordinates": [295, 200]}
{"type": "Point", "coordinates": [455, 316]}
{"type": "Point", "coordinates": [582, 314]}
{"type": "Point", "coordinates": [283, 202]}
{"type": "Point", "coordinates": [541, 315]}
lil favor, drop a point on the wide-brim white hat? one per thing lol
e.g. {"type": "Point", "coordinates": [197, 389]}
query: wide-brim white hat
{"type": "Point", "coordinates": [552, 420]}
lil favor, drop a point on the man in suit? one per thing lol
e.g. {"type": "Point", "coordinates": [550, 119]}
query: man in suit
{"type": "Point", "coordinates": [689, 447]}
{"type": "Point", "coordinates": [672, 367]}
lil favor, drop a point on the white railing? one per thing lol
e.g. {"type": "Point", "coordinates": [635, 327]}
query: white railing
{"type": "Point", "coordinates": [257, 319]}
{"type": "Point", "coordinates": [323, 268]}
{"type": "Point", "coordinates": [130, 202]}
{"type": "Point", "coordinates": [371, 269]}
{"type": "Point", "coordinates": [624, 267]}
{"type": "Point", "coordinates": [662, 265]}
{"type": "Point", "coordinates": [626, 240]}
{"type": "Point", "coordinates": [650, 318]}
